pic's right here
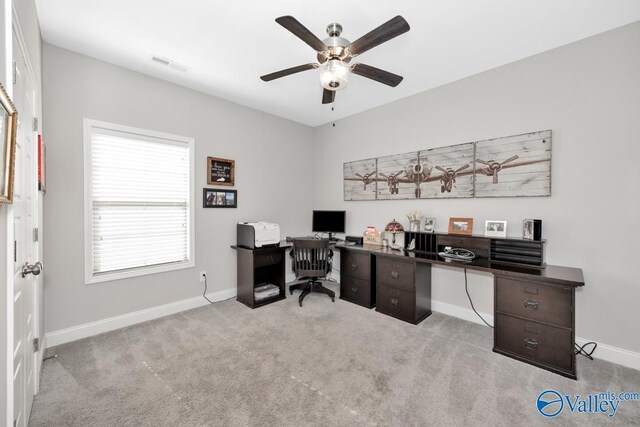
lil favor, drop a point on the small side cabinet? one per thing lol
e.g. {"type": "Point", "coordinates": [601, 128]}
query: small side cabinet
{"type": "Point", "coordinates": [257, 267]}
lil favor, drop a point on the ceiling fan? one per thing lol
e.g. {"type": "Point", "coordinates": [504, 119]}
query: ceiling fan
{"type": "Point", "coordinates": [335, 53]}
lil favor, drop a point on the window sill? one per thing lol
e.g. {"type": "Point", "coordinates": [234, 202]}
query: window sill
{"type": "Point", "coordinates": [91, 279]}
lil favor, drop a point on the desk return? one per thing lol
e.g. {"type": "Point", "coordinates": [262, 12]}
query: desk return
{"type": "Point", "coordinates": [534, 309]}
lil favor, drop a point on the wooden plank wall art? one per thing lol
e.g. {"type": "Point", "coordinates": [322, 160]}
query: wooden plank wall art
{"type": "Point", "coordinates": [511, 166]}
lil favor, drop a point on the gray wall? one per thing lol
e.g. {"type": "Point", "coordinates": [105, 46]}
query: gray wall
{"type": "Point", "coordinates": [273, 180]}
{"type": "Point", "coordinates": [588, 93]}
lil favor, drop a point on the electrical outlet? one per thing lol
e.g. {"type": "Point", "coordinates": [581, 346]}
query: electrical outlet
{"type": "Point", "coordinates": [203, 276]}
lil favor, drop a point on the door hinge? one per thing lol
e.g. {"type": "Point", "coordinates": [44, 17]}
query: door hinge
{"type": "Point", "coordinates": [14, 72]}
{"type": "Point", "coordinates": [36, 345]}
{"type": "Point", "coordinates": [35, 124]}
{"type": "Point", "coordinates": [35, 234]}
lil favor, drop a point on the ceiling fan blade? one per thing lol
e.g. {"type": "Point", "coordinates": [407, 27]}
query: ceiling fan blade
{"type": "Point", "coordinates": [300, 31]}
{"type": "Point", "coordinates": [376, 74]}
{"type": "Point", "coordinates": [328, 96]}
{"type": "Point", "coordinates": [385, 32]}
{"type": "Point", "coordinates": [288, 71]}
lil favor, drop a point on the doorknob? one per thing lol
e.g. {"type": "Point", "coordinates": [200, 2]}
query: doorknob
{"type": "Point", "coordinates": [34, 269]}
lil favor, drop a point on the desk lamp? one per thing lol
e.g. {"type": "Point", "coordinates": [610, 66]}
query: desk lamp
{"type": "Point", "coordinates": [394, 227]}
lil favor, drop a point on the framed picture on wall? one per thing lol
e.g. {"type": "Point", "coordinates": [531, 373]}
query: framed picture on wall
{"type": "Point", "coordinates": [219, 198]}
{"type": "Point", "coordinates": [8, 127]}
{"type": "Point", "coordinates": [220, 171]}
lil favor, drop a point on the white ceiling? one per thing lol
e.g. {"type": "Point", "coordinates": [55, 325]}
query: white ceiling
{"type": "Point", "coordinates": [227, 45]}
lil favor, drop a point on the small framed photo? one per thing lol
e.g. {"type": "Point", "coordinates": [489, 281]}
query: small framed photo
{"type": "Point", "coordinates": [429, 225]}
{"type": "Point", "coordinates": [494, 228]}
{"type": "Point", "coordinates": [219, 198]}
{"type": "Point", "coordinates": [527, 229]}
{"type": "Point", "coordinates": [462, 226]}
{"type": "Point", "coordinates": [220, 171]}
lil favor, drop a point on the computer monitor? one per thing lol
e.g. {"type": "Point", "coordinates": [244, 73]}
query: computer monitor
{"type": "Point", "coordinates": [328, 222]}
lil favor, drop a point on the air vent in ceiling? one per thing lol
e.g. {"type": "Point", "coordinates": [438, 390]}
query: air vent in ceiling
{"type": "Point", "coordinates": [169, 63]}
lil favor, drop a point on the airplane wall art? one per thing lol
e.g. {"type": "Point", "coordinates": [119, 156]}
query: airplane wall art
{"type": "Point", "coordinates": [512, 166]}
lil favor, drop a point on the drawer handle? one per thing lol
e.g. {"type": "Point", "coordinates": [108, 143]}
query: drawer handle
{"type": "Point", "coordinates": [395, 275]}
{"type": "Point", "coordinates": [354, 266]}
{"type": "Point", "coordinates": [270, 258]}
{"type": "Point", "coordinates": [531, 304]}
{"type": "Point", "coordinates": [354, 290]}
{"type": "Point", "coordinates": [531, 343]}
{"type": "Point", "coordinates": [394, 302]}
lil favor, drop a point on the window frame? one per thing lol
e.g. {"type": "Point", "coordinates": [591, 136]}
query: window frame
{"type": "Point", "coordinates": [144, 134]}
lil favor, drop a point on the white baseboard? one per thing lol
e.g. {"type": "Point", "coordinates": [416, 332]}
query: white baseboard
{"type": "Point", "coordinates": [618, 355]}
{"type": "Point", "coordinates": [606, 352]}
{"type": "Point", "coordinates": [463, 313]}
{"type": "Point", "coordinates": [112, 323]}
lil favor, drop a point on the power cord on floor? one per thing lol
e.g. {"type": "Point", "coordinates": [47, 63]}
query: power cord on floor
{"type": "Point", "coordinates": [204, 294]}
{"type": "Point", "coordinates": [466, 288]}
{"type": "Point", "coordinates": [580, 349]}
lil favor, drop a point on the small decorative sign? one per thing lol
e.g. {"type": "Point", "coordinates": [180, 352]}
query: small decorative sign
{"type": "Point", "coordinates": [219, 198]}
{"type": "Point", "coordinates": [220, 171]}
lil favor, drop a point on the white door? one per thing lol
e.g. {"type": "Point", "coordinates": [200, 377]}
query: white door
{"type": "Point", "coordinates": [24, 209]}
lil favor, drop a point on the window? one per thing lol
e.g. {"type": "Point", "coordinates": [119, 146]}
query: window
{"type": "Point", "coordinates": [138, 202]}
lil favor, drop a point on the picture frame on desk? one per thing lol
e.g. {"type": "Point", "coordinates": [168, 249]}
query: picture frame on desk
{"type": "Point", "coordinates": [429, 224]}
{"type": "Point", "coordinates": [219, 198]}
{"type": "Point", "coordinates": [493, 228]}
{"type": "Point", "coordinates": [461, 226]}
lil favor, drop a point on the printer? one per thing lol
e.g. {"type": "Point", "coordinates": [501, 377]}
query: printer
{"type": "Point", "coordinates": [258, 234]}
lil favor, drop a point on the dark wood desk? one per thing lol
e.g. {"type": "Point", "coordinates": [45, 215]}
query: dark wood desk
{"type": "Point", "coordinates": [534, 309]}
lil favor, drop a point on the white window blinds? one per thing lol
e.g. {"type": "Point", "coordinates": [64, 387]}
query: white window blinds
{"type": "Point", "coordinates": [139, 190]}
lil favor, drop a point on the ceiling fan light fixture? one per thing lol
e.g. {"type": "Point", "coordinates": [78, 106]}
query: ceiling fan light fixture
{"type": "Point", "coordinates": [334, 74]}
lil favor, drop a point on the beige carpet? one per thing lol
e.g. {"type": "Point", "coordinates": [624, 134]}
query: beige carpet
{"type": "Point", "coordinates": [325, 364]}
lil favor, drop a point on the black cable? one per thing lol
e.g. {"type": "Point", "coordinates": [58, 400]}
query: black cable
{"type": "Point", "coordinates": [204, 294]}
{"type": "Point", "coordinates": [466, 288]}
{"type": "Point", "coordinates": [580, 349]}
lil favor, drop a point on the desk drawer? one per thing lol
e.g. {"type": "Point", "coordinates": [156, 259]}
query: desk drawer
{"type": "Point", "coordinates": [267, 259]}
{"type": "Point", "coordinates": [539, 343]}
{"type": "Point", "coordinates": [551, 304]}
{"type": "Point", "coordinates": [396, 273]}
{"type": "Point", "coordinates": [396, 302]}
{"type": "Point", "coordinates": [355, 290]}
{"type": "Point", "coordinates": [355, 265]}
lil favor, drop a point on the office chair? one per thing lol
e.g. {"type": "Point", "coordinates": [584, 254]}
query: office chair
{"type": "Point", "coordinates": [311, 261]}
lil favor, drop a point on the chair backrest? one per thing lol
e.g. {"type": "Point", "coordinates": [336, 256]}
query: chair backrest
{"type": "Point", "coordinates": [311, 257]}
